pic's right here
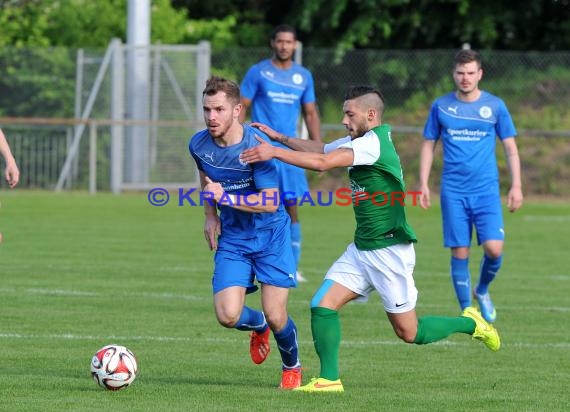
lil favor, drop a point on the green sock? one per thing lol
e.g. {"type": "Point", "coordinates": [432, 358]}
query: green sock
{"type": "Point", "coordinates": [434, 328]}
{"type": "Point", "coordinates": [325, 325]}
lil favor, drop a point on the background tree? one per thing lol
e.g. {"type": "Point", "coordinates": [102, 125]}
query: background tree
{"type": "Point", "coordinates": [396, 24]}
{"type": "Point", "coordinates": [82, 23]}
{"type": "Point", "coordinates": [340, 24]}
{"type": "Point", "coordinates": [41, 79]}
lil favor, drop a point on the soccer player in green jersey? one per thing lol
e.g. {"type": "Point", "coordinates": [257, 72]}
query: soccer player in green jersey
{"type": "Point", "coordinates": [382, 256]}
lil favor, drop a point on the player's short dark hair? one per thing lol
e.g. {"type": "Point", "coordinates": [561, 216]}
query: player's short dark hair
{"type": "Point", "coordinates": [465, 56]}
{"type": "Point", "coordinates": [283, 28]}
{"type": "Point", "coordinates": [217, 84]}
{"type": "Point", "coordinates": [376, 101]}
{"type": "Point", "coordinates": [357, 91]}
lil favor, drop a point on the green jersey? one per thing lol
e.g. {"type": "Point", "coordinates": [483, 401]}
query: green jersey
{"type": "Point", "coordinates": [378, 190]}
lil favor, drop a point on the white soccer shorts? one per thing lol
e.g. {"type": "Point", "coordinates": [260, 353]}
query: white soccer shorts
{"type": "Point", "coordinates": [388, 271]}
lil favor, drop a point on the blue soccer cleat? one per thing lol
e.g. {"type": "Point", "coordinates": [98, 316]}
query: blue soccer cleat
{"type": "Point", "coordinates": [486, 306]}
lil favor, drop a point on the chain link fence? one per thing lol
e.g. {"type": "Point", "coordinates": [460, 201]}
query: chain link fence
{"type": "Point", "coordinates": [48, 84]}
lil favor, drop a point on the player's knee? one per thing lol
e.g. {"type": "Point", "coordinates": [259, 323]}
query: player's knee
{"type": "Point", "coordinates": [460, 252]}
{"type": "Point", "coordinates": [494, 253]}
{"type": "Point", "coordinates": [493, 249]}
{"type": "Point", "coordinates": [227, 323]}
{"type": "Point", "coordinates": [408, 335]}
{"type": "Point", "coordinates": [315, 300]}
{"type": "Point", "coordinates": [276, 320]}
{"type": "Point", "coordinates": [319, 295]}
{"type": "Point", "coordinates": [227, 320]}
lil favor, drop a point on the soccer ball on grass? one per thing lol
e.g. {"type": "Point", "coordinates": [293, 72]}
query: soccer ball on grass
{"type": "Point", "coordinates": [114, 367]}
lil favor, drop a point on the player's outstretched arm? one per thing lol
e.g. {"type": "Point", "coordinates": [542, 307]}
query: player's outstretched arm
{"type": "Point", "coordinates": [292, 143]}
{"type": "Point", "coordinates": [266, 200]}
{"type": "Point", "coordinates": [307, 160]}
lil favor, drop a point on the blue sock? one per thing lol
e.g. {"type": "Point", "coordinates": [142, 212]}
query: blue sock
{"type": "Point", "coordinates": [461, 281]}
{"type": "Point", "coordinates": [251, 319]}
{"type": "Point", "coordinates": [489, 269]}
{"type": "Point", "coordinates": [287, 344]}
{"type": "Point", "coordinates": [296, 242]}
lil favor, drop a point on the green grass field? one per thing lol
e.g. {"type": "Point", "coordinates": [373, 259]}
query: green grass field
{"type": "Point", "coordinates": [79, 271]}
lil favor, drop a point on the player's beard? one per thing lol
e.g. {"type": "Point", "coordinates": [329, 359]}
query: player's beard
{"type": "Point", "coordinates": [358, 130]}
{"type": "Point", "coordinates": [284, 56]}
{"type": "Point", "coordinates": [466, 89]}
{"type": "Point", "coordinates": [219, 130]}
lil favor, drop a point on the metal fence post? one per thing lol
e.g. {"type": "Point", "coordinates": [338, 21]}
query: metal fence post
{"type": "Point", "coordinates": [117, 115]}
{"type": "Point", "coordinates": [92, 158]}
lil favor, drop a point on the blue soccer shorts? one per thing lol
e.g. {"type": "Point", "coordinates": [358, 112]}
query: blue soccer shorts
{"type": "Point", "coordinates": [460, 214]}
{"type": "Point", "coordinates": [267, 258]}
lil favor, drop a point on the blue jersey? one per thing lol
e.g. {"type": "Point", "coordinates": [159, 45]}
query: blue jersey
{"type": "Point", "coordinates": [278, 94]}
{"type": "Point", "coordinates": [468, 131]}
{"type": "Point", "coordinates": [222, 165]}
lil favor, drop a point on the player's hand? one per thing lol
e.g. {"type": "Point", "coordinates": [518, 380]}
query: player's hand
{"type": "Point", "coordinates": [212, 230]}
{"type": "Point", "coordinates": [425, 201]}
{"type": "Point", "coordinates": [514, 199]}
{"type": "Point", "coordinates": [263, 151]}
{"type": "Point", "coordinates": [272, 134]}
{"type": "Point", "coordinates": [12, 174]}
{"type": "Point", "coordinates": [214, 188]}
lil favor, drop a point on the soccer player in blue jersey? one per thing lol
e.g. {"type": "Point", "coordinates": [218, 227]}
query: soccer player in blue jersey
{"type": "Point", "coordinates": [278, 90]}
{"type": "Point", "coordinates": [468, 122]}
{"type": "Point", "coordinates": [251, 232]}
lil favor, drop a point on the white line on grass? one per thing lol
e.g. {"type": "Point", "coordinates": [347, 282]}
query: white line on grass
{"type": "Point", "coordinates": [194, 339]}
{"type": "Point", "coordinates": [544, 218]}
{"type": "Point", "coordinates": [510, 308]}
{"type": "Point", "coordinates": [184, 269]}
{"type": "Point", "coordinates": [174, 296]}
{"type": "Point", "coordinates": [71, 292]}
{"type": "Point", "coordinates": [550, 276]}
{"type": "Point", "coordinates": [60, 292]}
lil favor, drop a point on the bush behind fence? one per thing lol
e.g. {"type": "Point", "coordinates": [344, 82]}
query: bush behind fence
{"type": "Point", "coordinates": [535, 86]}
